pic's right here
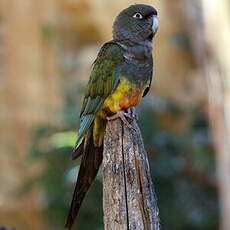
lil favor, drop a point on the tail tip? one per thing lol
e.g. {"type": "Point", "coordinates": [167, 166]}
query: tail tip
{"type": "Point", "coordinates": [69, 223]}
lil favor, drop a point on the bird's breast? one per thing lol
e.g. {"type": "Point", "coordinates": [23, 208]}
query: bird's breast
{"type": "Point", "coordinates": [127, 94]}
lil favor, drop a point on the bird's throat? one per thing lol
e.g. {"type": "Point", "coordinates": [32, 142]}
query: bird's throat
{"type": "Point", "coordinates": [139, 51]}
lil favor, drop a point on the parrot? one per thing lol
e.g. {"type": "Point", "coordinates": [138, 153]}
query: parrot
{"type": "Point", "coordinates": [121, 75]}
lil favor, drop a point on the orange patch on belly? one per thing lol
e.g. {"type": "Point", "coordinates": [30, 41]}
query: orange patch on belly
{"type": "Point", "coordinates": [126, 95]}
{"type": "Point", "coordinates": [130, 100]}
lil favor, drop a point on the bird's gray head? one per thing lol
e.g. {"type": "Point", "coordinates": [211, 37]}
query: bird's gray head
{"type": "Point", "coordinates": [135, 24]}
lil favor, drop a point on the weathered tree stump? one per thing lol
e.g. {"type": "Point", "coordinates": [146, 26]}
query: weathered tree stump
{"type": "Point", "coordinates": [129, 201]}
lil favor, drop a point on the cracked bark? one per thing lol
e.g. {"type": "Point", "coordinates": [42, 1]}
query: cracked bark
{"type": "Point", "coordinates": [129, 201]}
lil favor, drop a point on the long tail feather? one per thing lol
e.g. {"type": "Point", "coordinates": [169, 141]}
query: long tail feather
{"type": "Point", "coordinates": [78, 151]}
{"type": "Point", "coordinates": [90, 163]}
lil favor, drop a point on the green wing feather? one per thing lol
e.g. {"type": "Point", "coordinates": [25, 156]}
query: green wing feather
{"type": "Point", "coordinates": [103, 80]}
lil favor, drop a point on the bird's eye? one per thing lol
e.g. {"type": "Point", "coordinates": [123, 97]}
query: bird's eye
{"type": "Point", "coordinates": [138, 15]}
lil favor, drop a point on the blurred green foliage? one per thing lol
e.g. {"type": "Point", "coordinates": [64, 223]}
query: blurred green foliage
{"type": "Point", "coordinates": [181, 161]}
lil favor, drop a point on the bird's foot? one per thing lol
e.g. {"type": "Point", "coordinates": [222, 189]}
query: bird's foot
{"type": "Point", "coordinates": [123, 115]}
{"type": "Point", "coordinates": [132, 112]}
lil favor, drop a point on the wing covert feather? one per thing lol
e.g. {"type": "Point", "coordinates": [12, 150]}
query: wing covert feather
{"type": "Point", "coordinates": [104, 77]}
{"type": "Point", "coordinates": [103, 80]}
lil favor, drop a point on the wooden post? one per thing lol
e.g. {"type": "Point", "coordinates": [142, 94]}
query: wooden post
{"type": "Point", "coordinates": [129, 201]}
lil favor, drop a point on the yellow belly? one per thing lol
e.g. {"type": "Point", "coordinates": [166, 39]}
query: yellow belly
{"type": "Point", "coordinates": [126, 95]}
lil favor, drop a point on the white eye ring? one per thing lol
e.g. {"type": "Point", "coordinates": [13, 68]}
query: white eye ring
{"type": "Point", "coordinates": [138, 16]}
